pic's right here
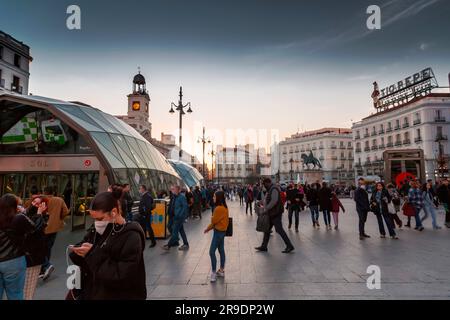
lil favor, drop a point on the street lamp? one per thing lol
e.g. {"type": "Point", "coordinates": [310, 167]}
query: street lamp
{"type": "Point", "coordinates": [291, 161]}
{"type": "Point", "coordinates": [180, 108]}
{"type": "Point", "coordinates": [204, 140]}
{"type": "Point", "coordinates": [212, 153]}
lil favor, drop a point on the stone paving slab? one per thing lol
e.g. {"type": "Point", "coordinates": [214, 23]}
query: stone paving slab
{"type": "Point", "coordinates": [327, 264]}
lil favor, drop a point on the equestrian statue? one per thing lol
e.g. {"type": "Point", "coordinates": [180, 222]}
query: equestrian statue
{"type": "Point", "coordinates": [310, 159]}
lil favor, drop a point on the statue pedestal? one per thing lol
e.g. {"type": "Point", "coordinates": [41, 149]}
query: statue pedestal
{"type": "Point", "coordinates": [312, 176]}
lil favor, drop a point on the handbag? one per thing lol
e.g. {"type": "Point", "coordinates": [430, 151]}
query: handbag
{"type": "Point", "coordinates": [263, 223]}
{"type": "Point", "coordinates": [408, 210]}
{"type": "Point", "coordinates": [229, 232]}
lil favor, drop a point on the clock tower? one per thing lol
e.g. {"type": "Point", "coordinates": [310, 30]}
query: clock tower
{"type": "Point", "coordinates": [138, 107]}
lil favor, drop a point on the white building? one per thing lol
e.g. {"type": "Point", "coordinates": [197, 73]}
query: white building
{"type": "Point", "coordinates": [333, 147]}
{"type": "Point", "coordinates": [14, 64]}
{"type": "Point", "coordinates": [236, 165]}
{"type": "Point", "coordinates": [422, 123]}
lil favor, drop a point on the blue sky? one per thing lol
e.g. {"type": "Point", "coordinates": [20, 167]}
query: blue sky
{"type": "Point", "coordinates": [262, 64]}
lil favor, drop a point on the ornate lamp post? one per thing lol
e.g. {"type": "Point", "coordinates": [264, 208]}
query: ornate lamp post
{"type": "Point", "coordinates": [204, 140]}
{"type": "Point", "coordinates": [180, 108]}
{"type": "Point", "coordinates": [212, 153]}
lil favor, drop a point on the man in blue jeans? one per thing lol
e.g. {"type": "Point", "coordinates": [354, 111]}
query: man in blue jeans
{"type": "Point", "coordinates": [416, 200]}
{"type": "Point", "coordinates": [180, 213]}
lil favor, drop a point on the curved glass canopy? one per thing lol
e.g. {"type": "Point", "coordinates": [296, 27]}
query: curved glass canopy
{"type": "Point", "coordinates": [190, 175]}
{"type": "Point", "coordinates": [124, 153]}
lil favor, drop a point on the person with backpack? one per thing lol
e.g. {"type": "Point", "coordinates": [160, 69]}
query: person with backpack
{"type": "Point", "coordinates": [219, 222]}
{"type": "Point", "coordinates": [335, 206]}
{"type": "Point", "coordinates": [396, 201]}
{"type": "Point", "coordinates": [273, 207]}
{"type": "Point", "coordinates": [180, 214]}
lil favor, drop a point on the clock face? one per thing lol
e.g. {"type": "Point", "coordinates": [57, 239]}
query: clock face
{"type": "Point", "coordinates": [136, 105]}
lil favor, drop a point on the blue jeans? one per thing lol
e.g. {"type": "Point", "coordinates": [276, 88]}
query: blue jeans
{"type": "Point", "coordinates": [177, 228]}
{"type": "Point", "coordinates": [12, 278]}
{"type": "Point", "coordinates": [129, 216]}
{"type": "Point", "coordinates": [417, 217]}
{"type": "Point", "coordinates": [217, 242]}
{"type": "Point", "coordinates": [314, 213]}
{"type": "Point", "coordinates": [429, 209]}
{"type": "Point", "coordinates": [326, 217]}
{"type": "Point", "coordinates": [50, 238]}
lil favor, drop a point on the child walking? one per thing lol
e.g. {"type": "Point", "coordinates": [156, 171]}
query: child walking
{"type": "Point", "coordinates": [335, 206]}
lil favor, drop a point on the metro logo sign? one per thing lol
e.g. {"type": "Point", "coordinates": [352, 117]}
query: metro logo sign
{"type": "Point", "coordinates": [87, 163]}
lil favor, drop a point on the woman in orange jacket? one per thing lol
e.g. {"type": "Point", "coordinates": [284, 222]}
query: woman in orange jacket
{"type": "Point", "coordinates": [219, 222]}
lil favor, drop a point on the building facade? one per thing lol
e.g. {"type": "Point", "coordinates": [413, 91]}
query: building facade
{"type": "Point", "coordinates": [333, 147]}
{"type": "Point", "coordinates": [421, 124]}
{"type": "Point", "coordinates": [14, 64]}
{"type": "Point", "coordinates": [236, 164]}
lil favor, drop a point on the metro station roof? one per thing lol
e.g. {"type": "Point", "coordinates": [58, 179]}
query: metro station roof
{"type": "Point", "coordinates": [190, 175]}
{"type": "Point", "coordinates": [115, 142]}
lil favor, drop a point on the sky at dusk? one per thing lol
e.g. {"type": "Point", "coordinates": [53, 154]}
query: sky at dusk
{"type": "Point", "coordinates": [250, 64]}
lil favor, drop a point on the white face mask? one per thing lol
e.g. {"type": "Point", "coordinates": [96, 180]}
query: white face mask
{"type": "Point", "coordinates": [100, 226]}
{"type": "Point", "coordinates": [363, 186]}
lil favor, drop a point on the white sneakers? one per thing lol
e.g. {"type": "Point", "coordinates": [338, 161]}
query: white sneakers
{"type": "Point", "coordinates": [214, 275]}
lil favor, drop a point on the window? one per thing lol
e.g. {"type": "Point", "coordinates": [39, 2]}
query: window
{"type": "Point", "coordinates": [374, 142]}
{"type": "Point", "coordinates": [17, 60]}
{"type": "Point", "coordinates": [389, 125]}
{"type": "Point", "coordinates": [439, 131]}
{"type": "Point", "coordinates": [397, 123]}
{"type": "Point", "coordinates": [438, 113]}
{"type": "Point", "coordinates": [367, 144]}
{"type": "Point", "coordinates": [382, 140]}
{"type": "Point", "coordinates": [390, 139]}
{"type": "Point", "coordinates": [349, 144]}
{"type": "Point", "coordinates": [1, 52]}
{"type": "Point", "coordinates": [15, 86]}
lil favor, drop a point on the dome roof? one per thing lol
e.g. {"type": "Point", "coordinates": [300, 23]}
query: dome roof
{"type": "Point", "coordinates": [139, 79]}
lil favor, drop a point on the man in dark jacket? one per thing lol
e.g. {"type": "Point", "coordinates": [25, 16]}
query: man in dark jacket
{"type": "Point", "coordinates": [274, 208]}
{"type": "Point", "coordinates": [312, 197]}
{"type": "Point", "coordinates": [362, 207]}
{"type": "Point", "coordinates": [180, 213]}
{"type": "Point", "coordinates": [293, 200]}
{"type": "Point", "coordinates": [444, 198]}
{"type": "Point", "coordinates": [145, 211]}
{"type": "Point", "coordinates": [127, 202]}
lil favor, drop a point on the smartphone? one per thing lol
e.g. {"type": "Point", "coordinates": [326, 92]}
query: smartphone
{"type": "Point", "coordinates": [75, 245]}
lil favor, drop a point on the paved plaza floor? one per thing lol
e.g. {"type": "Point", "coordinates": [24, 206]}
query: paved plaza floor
{"type": "Point", "coordinates": [325, 264]}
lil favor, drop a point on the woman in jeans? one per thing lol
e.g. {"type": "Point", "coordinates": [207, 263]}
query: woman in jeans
{"type": "Point", "coordinates": [379, 203]}
{"type": "Point", "coordinates": [428, 204]}
{"type": "Point", "coordinates": [14, 226]}
{"type": "Point", "coordinates": [219, 222]}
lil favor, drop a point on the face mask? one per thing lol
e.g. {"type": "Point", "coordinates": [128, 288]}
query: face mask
{"type": "Point", "coordinates": [363, 187]}
{"type": "Point", "coordinates": [100, 226]}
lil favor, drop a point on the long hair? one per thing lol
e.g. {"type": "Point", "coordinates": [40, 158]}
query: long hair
{"type": "Point", "coordinates": [8, 209]}
{"type": "Point", "coordinates": [106, 202]}
{"type": "Point", "coordinates": [220, 199]}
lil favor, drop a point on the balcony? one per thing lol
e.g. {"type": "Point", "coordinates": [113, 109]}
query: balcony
{"type": "Point", "coordinates": [389, 129]}
{"type": "Point", "coordinates": [350, 157]}
{"type": "Point", "coordinates": [15, 88]}
{"type": "Point", "coordinates": [397, 127]}
{"type": "Point", "coordinates": [291, 151]}
{"type": "Point", "coordinates": [366, 149]}
{"type": "Point", "coordinates": [417, 121]}
{"type": "Point", "coordinates": [302, 150]}
{"type": "Point", "coordinates": [406, 141]}
{"type": "Point", "coordinates": [439, 119]}
{"type": "Point", "coordinates": [389, 145]}
{"type": "Point", "coordinates": [441, 137]}
{"type": "Point", "coordinates": [343, 158]}
{"type": "Point", "coordinates": [333, 147]}
{"type": "Point", "coordinates": [357, 137]}
{"type": "Point", "coordinates": [406, 125]}
{"type": "Point", "coordinates": [381, 146]}
{"type": "Point", "coordinates": [314, 148]}
{"type": "Point", "coordinates": [334, 157]}
{"type": "Point", "coordinates": [320, 147]}
{"type": "Point", "coordinates": [366, 135]}
{"type": "Point", "coordinates": [381, 131]}
{"type": "Point", "coordinates": [297, 151]}
{"type": "Point", "coordinates": [418, 139]}
{"type": "Point", "coordinates": [358, 150]}
{"type": "Point", "coordinates": [284, 152]}
{"type": "Point", "coordinates": [374, 133]}
{"type": "Point", "coordinates": [398, 143]}
{"type": "Point", "coordinates": [374, 148]}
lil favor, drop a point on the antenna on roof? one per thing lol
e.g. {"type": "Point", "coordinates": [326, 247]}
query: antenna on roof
{"type": "Point", "coordinates": [139, 70]}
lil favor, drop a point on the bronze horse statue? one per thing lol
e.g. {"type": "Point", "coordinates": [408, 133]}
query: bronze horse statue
{"type": "Point", "coordinates": [310, 159]}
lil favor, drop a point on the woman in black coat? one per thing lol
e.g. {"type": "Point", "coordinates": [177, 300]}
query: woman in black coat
{"type": "Point", "coordinates": [35, 245]}
{"type": "Point", "coordinates": [324, 197]}
{"type": "Point", "coordinates": [110, 256]}
{"type": "Point", "coordinates": [379, 205]}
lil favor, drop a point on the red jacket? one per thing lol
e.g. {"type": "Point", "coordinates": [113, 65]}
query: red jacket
{"type": "Point", "coordinates": [336, 204]}
{"type": "Point", "coordinates": [283, 197]}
